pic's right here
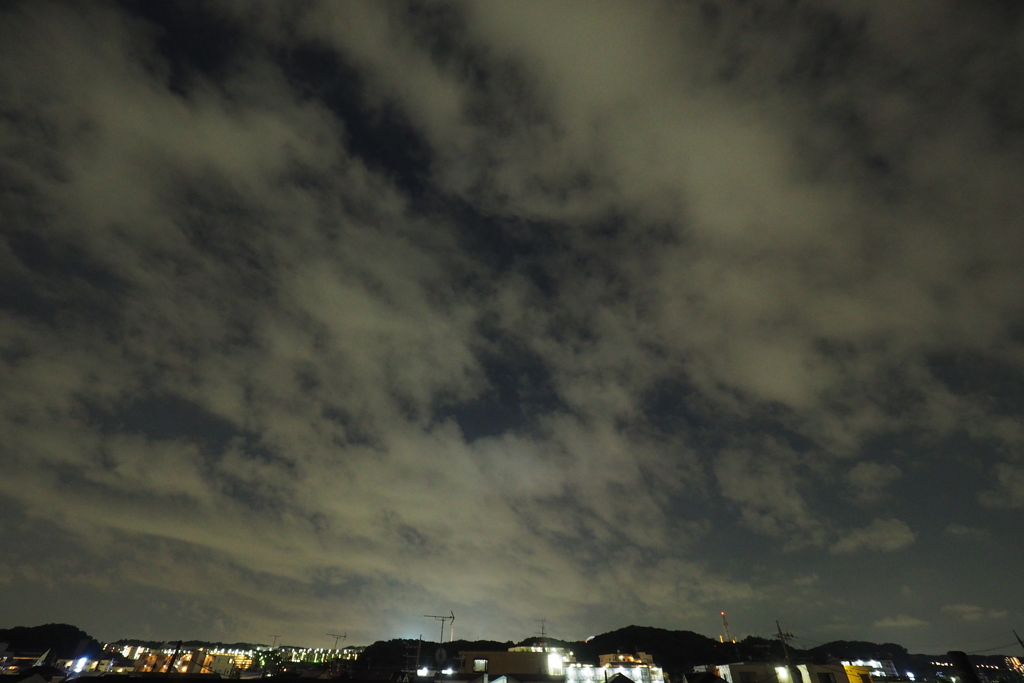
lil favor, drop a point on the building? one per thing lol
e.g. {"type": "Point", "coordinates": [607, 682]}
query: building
{"type": "Point", "coordinates": [775, 672]}
{"type": "Point", "coordinates": [638, 668]}
{"type": "Point", "coordinates": [517, 662]}
{"type": "Point", "coordinates": [108, 662]}
{"type": "Point", "coordinates": [619, 658]}
{"type": "Point", "coordinates": [878, 669]}
{"type": "Point", "coordinates": [857, 673]}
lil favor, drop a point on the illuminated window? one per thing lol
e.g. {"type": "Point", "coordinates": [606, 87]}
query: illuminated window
{"type": "Point", "coordinates": [480, 666]}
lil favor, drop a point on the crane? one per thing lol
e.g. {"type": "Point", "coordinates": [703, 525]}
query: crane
{"type": "Point", "coordinates": [728, 634]}
{"type": "Point", "coordinates": [725, 623]}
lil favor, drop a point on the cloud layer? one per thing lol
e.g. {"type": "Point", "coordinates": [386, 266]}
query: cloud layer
{"type": "Point", "coordinates": [333, 315]}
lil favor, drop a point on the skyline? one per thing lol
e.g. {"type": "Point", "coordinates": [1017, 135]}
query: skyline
{"type": "Point", "coordinates": [646, 639]}
{"type": "Point", "coordinates": [322, 316]}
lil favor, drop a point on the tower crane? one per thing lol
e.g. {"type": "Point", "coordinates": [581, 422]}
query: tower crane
{"type": "Point", "coordinates": [725, 623]}
{"type": "Point", "coordinates": [728, 634]}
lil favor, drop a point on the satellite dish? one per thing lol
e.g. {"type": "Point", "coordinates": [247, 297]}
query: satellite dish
{"type": "Point", "coordinates": [440, 656]}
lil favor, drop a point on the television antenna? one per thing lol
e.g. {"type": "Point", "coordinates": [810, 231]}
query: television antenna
{"type": "Point", "coordinates": [442, 619]}
{"type": "Point", "coordinates": [337, 638]}
{"type": "Point", "coordinates": [275, 636]}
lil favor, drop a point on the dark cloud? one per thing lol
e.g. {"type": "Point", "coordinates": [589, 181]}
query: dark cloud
{"type": "Point", "coordinates": [331, 315]}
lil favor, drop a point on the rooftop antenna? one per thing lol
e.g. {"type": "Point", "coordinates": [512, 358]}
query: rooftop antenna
{"type": "Point", "coordinates": [442, 619]}
{"type": "Point", "coordinates": [337, 638]}
{"type": "Point", "coordinates": [543, 635]}
{"type": "Point", "coordinates": [275, 636]}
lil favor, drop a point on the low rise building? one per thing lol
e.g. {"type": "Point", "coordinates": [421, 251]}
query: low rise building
{"type": "Point", "coordinates": [877, 668]}
{"type": "Point", "coordinates": [517, 662]}
{"type": "Point", "coordinates": [777, 672]}
{"type": "Point", "coordinates": [638, 668]}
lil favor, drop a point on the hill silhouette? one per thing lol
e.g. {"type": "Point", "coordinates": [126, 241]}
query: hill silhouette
{"type": "Point", "coordinates": [62, 640]}
{"type": "Point", "coordinates": [400, 653]}
{"type": "Point", "coordinates": [676, 652]}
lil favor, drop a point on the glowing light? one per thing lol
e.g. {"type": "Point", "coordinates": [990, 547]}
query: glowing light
{"type": "Point", "coordinates": [448, 672]}
{"type": "Point", "coordinates": [782, 673]}
{"type": "Point", "coordinates": [80, 664]}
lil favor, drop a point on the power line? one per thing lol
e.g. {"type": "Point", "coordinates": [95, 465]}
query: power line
{"type": "Point", "coordinates": [997, 647]}
{"type": "Point", "coordinates": [809, 640]}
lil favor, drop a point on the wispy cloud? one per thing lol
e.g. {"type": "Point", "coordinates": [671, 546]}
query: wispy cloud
{"type": "Point", "coordinates": [973, 612]}
{"type": "Point", "coordinates": [881, 535]}
{"type": "Point", "coordinates": [901, 621]}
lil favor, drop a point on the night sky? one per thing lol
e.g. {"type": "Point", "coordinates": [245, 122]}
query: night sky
{"type": "Point", "coordinates": [322, 316]}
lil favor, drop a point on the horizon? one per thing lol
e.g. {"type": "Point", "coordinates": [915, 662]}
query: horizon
{"type": "Point", "coordinates": [809, 646]}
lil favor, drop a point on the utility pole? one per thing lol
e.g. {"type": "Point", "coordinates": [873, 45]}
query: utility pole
{"type": "Point", "coordinates": [337, 638]}
{"type": "Point", "coordinates": [275, 636]}
{"type": "Point", "coordinates": [442, 619]}
{"type": "Point", "coordinates": [794, 674]}
{"type": "Point", "coordinates": [174, 657]}
{"type": "Point", "coordinates": [543, 635]}
{"type": "Point", "coordinates": [1018, 639]}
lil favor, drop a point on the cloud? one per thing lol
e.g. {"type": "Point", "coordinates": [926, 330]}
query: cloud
{"type": "Point", "coordinates": [967, 532]}
{"type": "Point", "coordinates": [972, 612]}
{"type": "Point", "coordinates": [884, 535]}
{"type": "Point", "coordinates": [900, 621]}
{"type": "Point", "coordinates": [766, 488]}
{"type": "Point", "coordinates": [869, 480]}
{"type": "Point", "coordinates": [1010, 489]}
{"type": "Point", "coordinates": [368, 301]}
